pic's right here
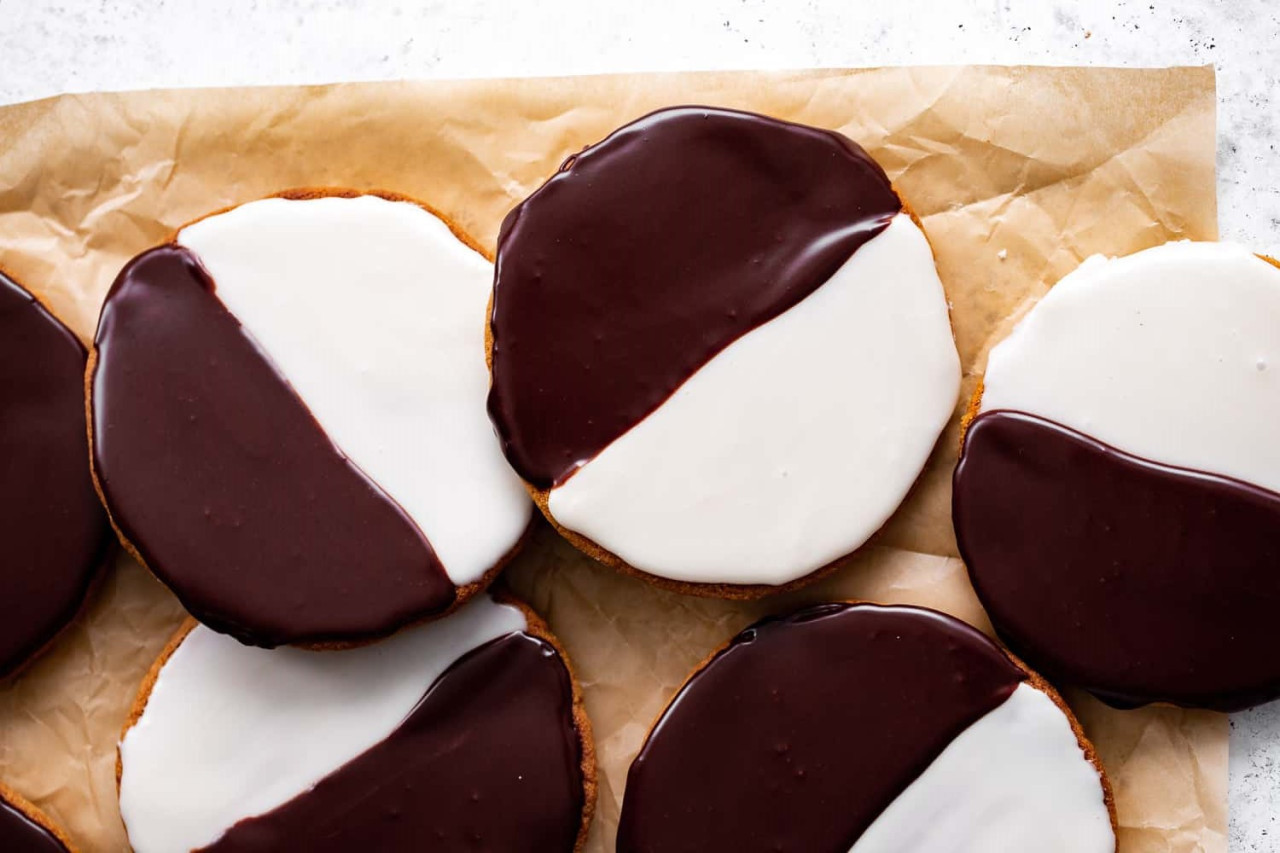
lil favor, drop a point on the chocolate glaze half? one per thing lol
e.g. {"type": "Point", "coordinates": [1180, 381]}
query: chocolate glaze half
{"type": "Point", "coordinates": [490, 760]}
{"type": "Point", "coordinates": [51, 522]}
{"type": "Point", "coordinates": [20, 834]}
{"type": "Point", "coordinates": [649, 253]}
{"type": "Point", "coordinates": [1138, 581]}
{"type": "Point", "coordinates": [233, 495]}
{"type": "Point", "coordinates": [804, 729]}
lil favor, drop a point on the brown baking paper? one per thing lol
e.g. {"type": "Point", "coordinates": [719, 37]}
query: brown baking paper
{"type": "Point", "coordinates": [1017, 174]}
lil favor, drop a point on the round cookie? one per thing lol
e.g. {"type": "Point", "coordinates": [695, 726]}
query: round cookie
{"type": "Point", "coordinates": [720, 350]}
{"type": "Point", "coordinates": [25, 829]}
{"type": "Point", "coordinates": [289, 429]}
{"type": "Point", "coordinates": [55, 532]}
{"type": "Point", "coordinates": [467, 731]}
{"type": "Point", "coordinates": [1118, 492]}
{"type": "Point", "coordinates": [859, 728]}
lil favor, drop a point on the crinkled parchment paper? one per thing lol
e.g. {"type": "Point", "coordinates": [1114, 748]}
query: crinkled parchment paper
{"type": "Point", "coordinates": [1017, 173]}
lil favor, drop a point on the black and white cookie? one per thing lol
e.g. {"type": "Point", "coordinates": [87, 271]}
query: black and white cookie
{"type": "Point", "coordinates": [856, 728]}
{"type": "Point", "coordinates": [1117, 500]}
{"type": "Point", "coordinates": [721, 353]}
{"type": "Point", "coordinates": [289, 423]}
{"type": "Point", "coordinates": [465, 733]}
{"type": "Point", "coordinates": [55, 533]}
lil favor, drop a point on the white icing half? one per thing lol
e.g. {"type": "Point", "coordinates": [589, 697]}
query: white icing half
{"type": "Point", "coordinates": [375, 314]}
{"type": "Point", "coordinates": [1014, 781]}
{"type": "Point", "coordinates": [789, 448]}
{"type": "Point", "coordinates": [1171, 354]}
{"type": "Point", "coordinates": [232, 731]}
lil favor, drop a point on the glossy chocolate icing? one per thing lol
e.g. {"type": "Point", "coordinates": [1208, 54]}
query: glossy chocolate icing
{"type": "Point", "coordinates": [218, 474]}
{"type": "Point", "coordinates": [21, 834]}
{"type": "Point", "coordinates": [650, 252]}
{"type": "Point", "coordinates": [489, 760]}
{"type": "Point", "coordinates": [55, 532]}
{"type": "Point", "coordinates": [798, 735]}
{"type": "Point", "coordinates": [1138, 581]}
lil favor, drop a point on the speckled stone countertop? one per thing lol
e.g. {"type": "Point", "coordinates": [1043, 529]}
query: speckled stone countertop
{"type": "Point", "coordinates": [82, 45]}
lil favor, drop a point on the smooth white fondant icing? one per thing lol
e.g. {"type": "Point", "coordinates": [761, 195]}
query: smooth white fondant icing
{"type": "Point", "coordinates": [789, 448]}
{"type": "Point", "coordinates": [1171, 354]}
{"type": "Point", "coordinates": [375, 314]}
{"type": "Point", "coordinates": [232, 731]}
{"type": "Point", "coordinates": [1014, 781]}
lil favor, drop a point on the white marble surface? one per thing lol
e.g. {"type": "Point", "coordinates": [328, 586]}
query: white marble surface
{"type": "Point", "coordinates": [81, 45]}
